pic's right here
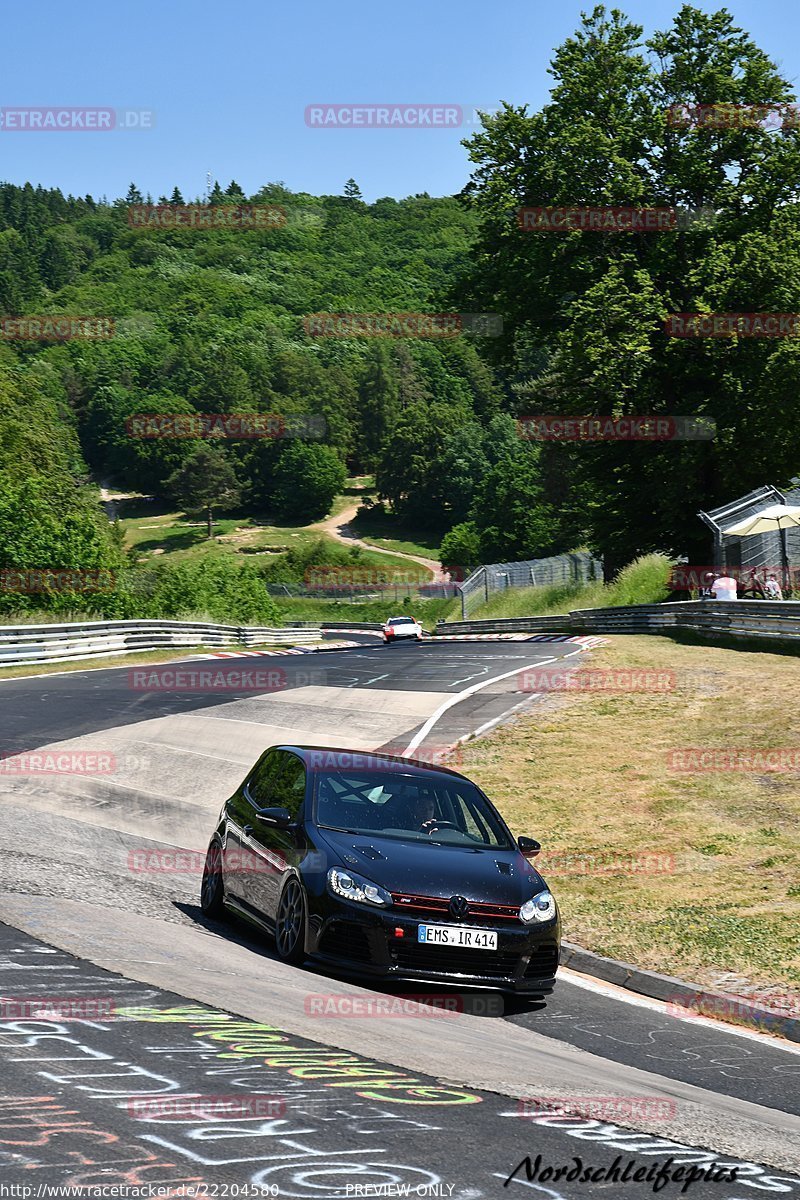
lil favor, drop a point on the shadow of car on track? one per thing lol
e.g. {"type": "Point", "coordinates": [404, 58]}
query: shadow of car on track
{"type": "Point", "coordinates": [452, 997]}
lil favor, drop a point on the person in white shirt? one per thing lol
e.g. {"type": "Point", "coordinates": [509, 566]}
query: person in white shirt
{"type": "Point", "coordinates": [724, 588]}
{"type": "Point", "coordinates": [772, 589]}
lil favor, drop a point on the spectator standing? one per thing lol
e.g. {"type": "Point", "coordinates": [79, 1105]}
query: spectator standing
{"type": "Point", "coordinates": [772, 589]}
{"type": "Point", "coordinates": [724, 587]}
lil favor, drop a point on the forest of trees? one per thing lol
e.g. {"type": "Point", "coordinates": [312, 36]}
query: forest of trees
{"type": "Point", "coordinates": [211, 320]}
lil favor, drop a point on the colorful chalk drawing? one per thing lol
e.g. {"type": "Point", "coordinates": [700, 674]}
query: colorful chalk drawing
{"type": "Point", "coordinates": [53, 1135]}
{"type": "Point", "coordinates": [250, 1039]}
{"type": "Point", "coordinates": [340, 1119]}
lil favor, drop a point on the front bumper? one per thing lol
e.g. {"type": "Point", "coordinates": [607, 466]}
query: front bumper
{"type": "Point", "coordinates": [368, 942]}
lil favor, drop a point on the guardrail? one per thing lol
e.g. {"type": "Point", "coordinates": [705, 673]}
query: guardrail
{"type": "Point", "coordinates": [775, 619]}
{"type": "Point", "coordinates": [769, 619]}
{"type": "Point", "coordinates": [506, 625]}
{"type": "Point", "coordinates": [24, 645]}
{"type": "Point", "coordinates": [358, 626]}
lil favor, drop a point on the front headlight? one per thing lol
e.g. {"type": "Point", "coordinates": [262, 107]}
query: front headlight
{"type": "Point", "coordinates": [538, 910]}
{"type": "Point", "coordinates": [354, 887]}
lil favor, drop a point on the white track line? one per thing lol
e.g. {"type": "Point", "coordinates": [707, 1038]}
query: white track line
{"type": "Point", "coordinates": [470, 691]}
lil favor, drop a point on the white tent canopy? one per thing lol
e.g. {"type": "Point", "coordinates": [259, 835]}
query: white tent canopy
{"type": "Point", "coordinates": [775, 516]}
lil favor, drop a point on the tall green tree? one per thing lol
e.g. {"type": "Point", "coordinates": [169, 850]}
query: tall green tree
{"type": "Point", "coordinates": [203, 482]}
{"type": "Point", "coordinates": [511, 513]}
{"type": "Point", "coordinates": [307, 477]}
{"type": "Point", "coordinates": [584, 310]}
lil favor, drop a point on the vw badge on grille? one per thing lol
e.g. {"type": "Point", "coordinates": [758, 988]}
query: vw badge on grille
{"type": "Point", "coordinates": [458, 907]}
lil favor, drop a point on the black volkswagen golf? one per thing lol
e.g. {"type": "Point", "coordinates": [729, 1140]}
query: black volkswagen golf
{"type": "Point", "coordinates": [384, 867]}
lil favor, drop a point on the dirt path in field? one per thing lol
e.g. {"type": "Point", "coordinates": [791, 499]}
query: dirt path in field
{"type": "Point", "coordinates": [340, 529]}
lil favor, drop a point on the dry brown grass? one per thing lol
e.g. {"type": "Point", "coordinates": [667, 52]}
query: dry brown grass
{"type": "Point", "coordinates": [589, 775]}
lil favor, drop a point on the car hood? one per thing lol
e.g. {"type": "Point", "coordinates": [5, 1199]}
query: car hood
{"type": "Point", "coordinates": [427, 869]}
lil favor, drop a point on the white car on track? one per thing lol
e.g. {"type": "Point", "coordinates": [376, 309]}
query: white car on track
{"type": "Point", "coordinates": [397, 628]}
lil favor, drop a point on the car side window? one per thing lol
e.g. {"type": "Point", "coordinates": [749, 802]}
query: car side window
{"type": "Point", "coordinates": [279, 781]}
{"type": "Point", "coordinates": [470, 821]}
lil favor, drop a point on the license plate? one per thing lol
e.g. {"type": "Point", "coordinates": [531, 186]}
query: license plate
{"type": "Point", "coordinates": [457, 935]}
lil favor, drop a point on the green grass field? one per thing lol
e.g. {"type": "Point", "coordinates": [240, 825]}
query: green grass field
{"type": "Point", "coordinates": [598, 778]}
{"type": "Point", "coordinates": [641, 582]}
{"type": "Point", "coordinates": [155, 534]}
{"type": "Point", "coordinates": [394, 536]}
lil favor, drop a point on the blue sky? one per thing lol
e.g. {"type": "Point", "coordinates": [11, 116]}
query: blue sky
{"type": "Point", "coordinates": [228, 85]}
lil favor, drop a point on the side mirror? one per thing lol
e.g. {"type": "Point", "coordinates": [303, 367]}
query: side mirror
{"type": "Point", "coordinates": [528, 847]}
{"type": "Point", "coordinates": [276, 818]}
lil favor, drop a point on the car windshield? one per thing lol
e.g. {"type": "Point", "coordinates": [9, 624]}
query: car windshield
{"type": "Point", "coordinates": [440, 809]}
{"type": "Point", "coordinates": [401, 621]}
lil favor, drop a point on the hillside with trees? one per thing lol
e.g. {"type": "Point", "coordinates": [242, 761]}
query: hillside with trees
{"type": "Point", "coordinates": [214, 321]}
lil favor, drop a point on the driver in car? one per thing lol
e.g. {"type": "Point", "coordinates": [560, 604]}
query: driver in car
{"type": "Point", "coordinates": [420, 813]}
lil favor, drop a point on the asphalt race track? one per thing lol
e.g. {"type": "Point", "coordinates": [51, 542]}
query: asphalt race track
{"type": "Point", "coordinates": [140, 1088]}
{"type": "Point", "coordinates": [66, 882]}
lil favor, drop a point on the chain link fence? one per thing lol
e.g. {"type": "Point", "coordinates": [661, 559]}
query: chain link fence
{"type": "Point", "coordinates": [579, 567]}
{"type": "Point", "coordinates": [759, 550]}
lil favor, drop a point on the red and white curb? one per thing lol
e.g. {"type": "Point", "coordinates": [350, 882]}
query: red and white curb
{"type": "Point", "coordinates": [587, 642]}
{"type": "Point", "coordinates": [481, 637]}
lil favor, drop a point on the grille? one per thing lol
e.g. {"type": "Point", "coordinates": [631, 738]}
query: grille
{"type": "Point", "coordinates": [345, 939]}
{"type": "Point", "coordinates": [453, 960]}
{"type": "Point", "coordinates": [480, 913]}
{"type": "Point", "coordinates": [544, 961]}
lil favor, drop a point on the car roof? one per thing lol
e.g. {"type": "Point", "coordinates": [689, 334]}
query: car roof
{"type": "Point", "coordinates": [324, 758]}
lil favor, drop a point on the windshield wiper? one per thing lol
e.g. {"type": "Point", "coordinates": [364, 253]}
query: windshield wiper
{"type": "Point", "coordinates": [342, 829]}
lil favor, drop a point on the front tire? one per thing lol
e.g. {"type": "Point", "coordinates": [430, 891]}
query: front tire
{"type": "Point", "coordinates": [290, 925]}
{"type": "Point", "coordinates": [212, 889]}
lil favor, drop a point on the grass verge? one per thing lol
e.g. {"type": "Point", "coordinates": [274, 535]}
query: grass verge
{"type": "Point", "coordinates": [590, 775]}
{"type": "Point", "coordinates": [642, 582]}
{"type": "Point", "coordinates": [427, 612]}
{"type": "Point", "coordinates": [391, 534]}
